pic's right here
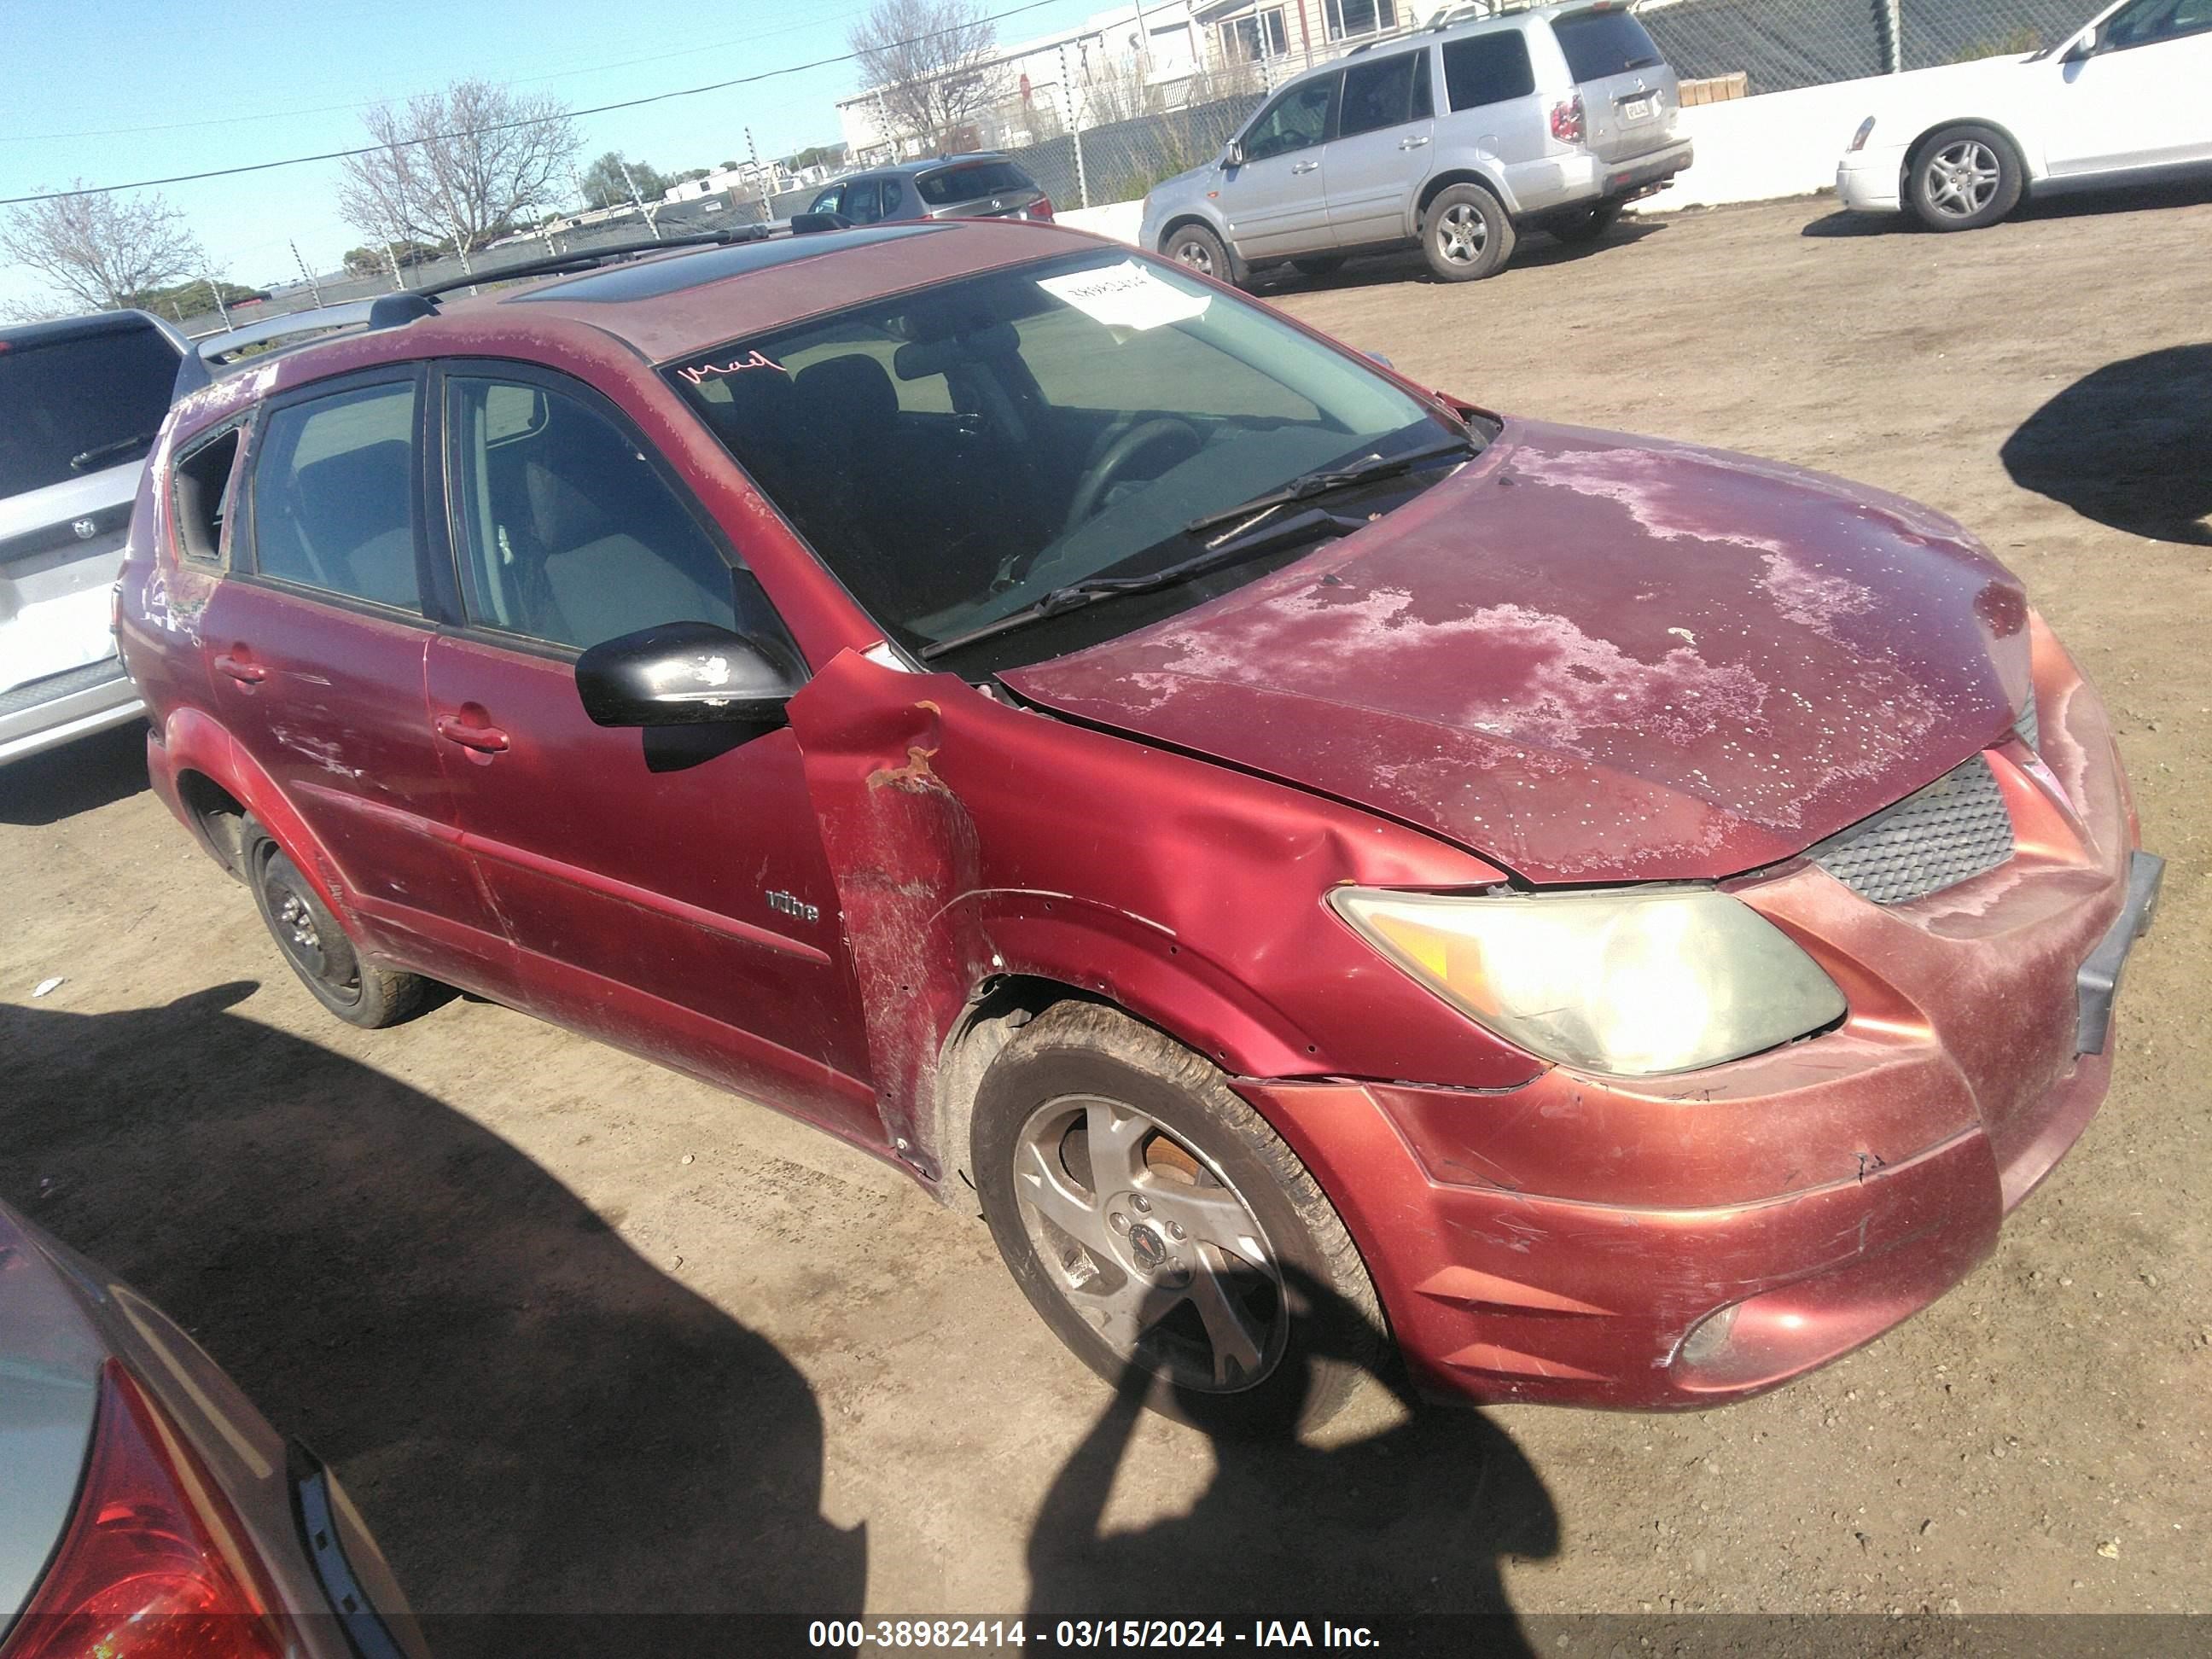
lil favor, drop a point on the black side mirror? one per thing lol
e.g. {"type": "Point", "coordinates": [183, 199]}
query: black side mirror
{"type": "Point", "coordinates": [1234, 155]}
{"type": "Point", "coordinates": [688, 673]}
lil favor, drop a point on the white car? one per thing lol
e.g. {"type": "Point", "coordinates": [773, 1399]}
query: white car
{"type": "Point", "coordinates": [2122, 101]}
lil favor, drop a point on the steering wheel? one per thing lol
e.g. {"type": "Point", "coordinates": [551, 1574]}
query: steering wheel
{"type": "Point", "coordinates": [1104, 472]}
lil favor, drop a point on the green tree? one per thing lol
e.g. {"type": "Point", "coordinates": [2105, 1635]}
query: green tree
{"type": "Point", "coordinates": [609, 181]}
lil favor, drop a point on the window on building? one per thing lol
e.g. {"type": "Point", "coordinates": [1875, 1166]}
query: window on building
{"type": "Point", "coordinates": [1349, 18]}
{"type": "Point", "coordinates": [1242, 38]}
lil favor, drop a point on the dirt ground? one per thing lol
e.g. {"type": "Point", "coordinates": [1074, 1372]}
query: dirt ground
{"type": "Point", "coordinates": [578, 1334]}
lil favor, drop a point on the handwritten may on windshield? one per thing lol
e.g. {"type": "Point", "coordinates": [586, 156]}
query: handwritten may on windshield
{"type": "Point", "coordinates": [750, 359]}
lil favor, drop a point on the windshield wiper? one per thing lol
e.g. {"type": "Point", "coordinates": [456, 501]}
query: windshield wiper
{"type": "Point", "coordinates": [1307, 485]}
{"type": "Point", "coordinates": [102, 452]}
{"type": "Point", "coordinates": [1060, 601]}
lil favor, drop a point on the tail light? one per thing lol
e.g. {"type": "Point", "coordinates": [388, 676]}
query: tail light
{"type": "Point", "coordinates": [1567, 121]}
{"type": "Point", "coordinates": [155, 1565]}
{"type": "Point", "coordinates": [1042, 208]}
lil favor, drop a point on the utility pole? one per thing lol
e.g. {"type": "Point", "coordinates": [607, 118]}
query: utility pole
{"type": "Point", "coordinates": [314, 286]}
{"type": "Point", "coordinates": [651, 220]}
{"type": "Point", "coordinates": [1074, 130]}
{"type": "Point", "coordinates": [221, 309]}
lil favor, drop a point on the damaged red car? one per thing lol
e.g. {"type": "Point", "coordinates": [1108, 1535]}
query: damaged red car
{"type": "Point", "coordinates": [1324, 865]}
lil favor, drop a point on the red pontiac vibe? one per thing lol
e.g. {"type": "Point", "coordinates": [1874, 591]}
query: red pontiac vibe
{"type": "Point", "coordinates": [1316, 859]}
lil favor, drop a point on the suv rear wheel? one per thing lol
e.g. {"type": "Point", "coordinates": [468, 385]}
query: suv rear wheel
{"type": "Point", "coordinates": [1164, 1231]}
{"type": "Point", "coordinates": [317, 948]}
{"type": "Point", "coordinates": [1202, 251]}
{"type": "Point", "coordinates": [1465, 234]}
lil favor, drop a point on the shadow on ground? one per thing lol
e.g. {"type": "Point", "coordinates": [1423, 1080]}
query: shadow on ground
{"type": "Point", "coordinates": [1413, 1519]}
{"type": "Point", "coordinates": [2071, 204]}
{"type": "Point", "coordinates": [2130, 446]}
{"type": "Point", "coordinates": [531, 1415]}
{"type": "Point", "coordinates": [75, 778]}
{"type": "Point", "coordinates": [1535, 249]}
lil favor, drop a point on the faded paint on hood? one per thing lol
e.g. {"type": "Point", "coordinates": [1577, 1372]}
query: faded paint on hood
{"type": "Point", "coordinates": [1593, 658]}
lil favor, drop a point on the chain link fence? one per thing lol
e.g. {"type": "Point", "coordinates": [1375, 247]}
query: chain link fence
{"type": "Point", "coordinates": [1783, 45]}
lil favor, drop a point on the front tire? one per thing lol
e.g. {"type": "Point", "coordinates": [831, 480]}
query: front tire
{"type": "Point", "coordinates": [1202, 251]}
{"type": "Point", "coordinates": [1465, 234]}
{"type": "Point", "coordinates": [316, 946]}
{"type": "Point", "coordinates": [1964, 177]}
{"type": "Point", "coordinates": [1160, 1226]}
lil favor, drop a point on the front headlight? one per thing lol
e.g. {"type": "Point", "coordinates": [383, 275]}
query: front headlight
{"type": "Point", "coordinates": [1865, 132]}
{"type": "Point", "coordinates": [1634, 982]}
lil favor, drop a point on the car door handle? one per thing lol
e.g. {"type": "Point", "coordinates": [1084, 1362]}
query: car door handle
{"type": "Point", "coordinates": [485, 739]}
{"type": "Point", "coordinates": [241, 667]}
{"type": "Point", "coordinates": [1303, 166]}
{"type": "Point", "coordinates": [1413, 143]}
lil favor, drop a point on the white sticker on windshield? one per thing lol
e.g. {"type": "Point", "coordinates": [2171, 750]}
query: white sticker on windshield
{"type": "Point", "coordinates": [1126, 295]}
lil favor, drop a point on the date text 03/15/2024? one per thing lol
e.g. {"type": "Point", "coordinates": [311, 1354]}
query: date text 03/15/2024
{"type": "Point", "coordinates": [1083, 1634]}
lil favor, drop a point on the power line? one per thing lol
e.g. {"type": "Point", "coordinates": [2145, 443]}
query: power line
{"type": "Point", "coordinates": [502, 126]}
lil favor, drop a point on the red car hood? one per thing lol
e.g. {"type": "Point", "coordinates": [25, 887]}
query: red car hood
{"type": "Point", "coordinates": [1591, 657]}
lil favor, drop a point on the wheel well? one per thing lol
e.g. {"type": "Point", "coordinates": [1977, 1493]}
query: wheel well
{"type": "Point", "coordinates": [997, 1011]}
{"type": "Point", "coordinates": [1198, 219]}
{"type": "Point", "coordinates": [1912, 150]}
{"type": "Point", "coordinates": [1443, 181]}
{"type": "Point", "coordinates": [220, 817]}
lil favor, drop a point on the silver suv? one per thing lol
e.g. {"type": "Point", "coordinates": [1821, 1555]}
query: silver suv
{"type": "Point", "coordinates": [1454, 138]}
{"type": "Point", "coordinates": [81, 400]}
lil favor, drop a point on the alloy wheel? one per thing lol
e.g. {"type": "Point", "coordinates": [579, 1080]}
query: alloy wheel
{"type": "Point", "coordinates": [1192, 252]}
{"type": "Point", "coordinates": [1962, 178]}
{"type": "Point", "coordinates": [1154, 1248]}
{"type": "Point", "coordinates": [1463, 234]}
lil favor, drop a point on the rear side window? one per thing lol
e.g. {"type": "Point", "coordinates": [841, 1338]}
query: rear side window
{"type": "Point", "coordinates": [334, 497]}
{"type": "Point", "coordinates": [862, 203]}
{"type": "Point", "coordinates": [894, 192]}
{"type": "Point", "coordinates": [1487, 69]}
{"type": "Point", "coordinates": [1386, 92]}
{"type": "Point", "coordinates": [201, 490]}
{"type": "Point", "coordinates": [1599, 44]}
{"type": "Point", "coordinates": [80, 404]}
{"type": "Point", "coordinates": [966, 184]}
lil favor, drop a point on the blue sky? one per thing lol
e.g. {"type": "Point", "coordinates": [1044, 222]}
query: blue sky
{"type": "Point", "coordinates": [228, 82]}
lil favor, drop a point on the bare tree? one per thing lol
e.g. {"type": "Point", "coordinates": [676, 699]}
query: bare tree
{"type": "Point", "coordinates": [928, 62]}
{"type": "Point", "coordinates": [1119, 90]}
{"type": "Point", "coordinates": [456, 166]}
{"type": "Point", "coordinates": [102, 251]}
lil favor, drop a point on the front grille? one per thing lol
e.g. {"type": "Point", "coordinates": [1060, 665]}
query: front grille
{"type": "Point", "coordinates": [53, 687]}
{"type": "Point", "coordinates": [1936, 838]}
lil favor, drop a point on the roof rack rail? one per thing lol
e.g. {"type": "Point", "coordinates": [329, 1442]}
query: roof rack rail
{"type": "Point", "coordinates": [576, 259]}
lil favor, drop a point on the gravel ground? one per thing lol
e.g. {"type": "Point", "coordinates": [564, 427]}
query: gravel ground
{"type": "Point", "coordinates": [581, 1335]}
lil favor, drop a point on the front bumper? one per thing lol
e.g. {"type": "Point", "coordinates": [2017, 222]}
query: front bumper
{"type": "Point", "coordinates": [1868, 181]}
{"type": "Point", "coordinates": [1687, 1241]}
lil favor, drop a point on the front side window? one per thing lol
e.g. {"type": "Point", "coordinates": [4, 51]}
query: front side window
{"type": "Point", "coordinates": [334, 495]}
{"type": "Point", "coordinates": [1349, 18]}
{"type": "Point", "coordinates": [1379, 93]}
{"type": "Point", "coordinates": [2151, 20]}
{"type": "Point", "coordinates": [1297, 121]}
{"type": "Point", "coordinates": [955, 453]}
{"type": "Point", "coordinates": [1487, 69]}
{"type": "Point", "coordinates": [565, 532]}
{"type": "Point", "coordinates": [827, 200]}
{"type": "Point", "coordinates": [863, 202]}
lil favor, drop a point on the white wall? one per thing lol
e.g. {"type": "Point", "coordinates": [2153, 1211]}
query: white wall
{"type": "Point", "coordinates": [1779, 143]}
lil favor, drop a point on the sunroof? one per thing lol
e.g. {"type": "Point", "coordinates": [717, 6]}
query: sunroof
{"type": "Point", "coordinates": [649, 279]}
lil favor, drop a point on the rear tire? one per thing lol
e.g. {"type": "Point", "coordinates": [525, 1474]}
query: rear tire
{"type": "Point", "coordinates": [1203, 251]}
{"type": "Point", "coordinates": [316, 946]}
{"type": "Point", "coordinates": [1963, 178]}
{"type": "Point", "coordinates": [1588, 225]}
{"type": "Point", "coordinates": [1465, 234]}
{"type": "Point", "coordinates": [1164, 1231]}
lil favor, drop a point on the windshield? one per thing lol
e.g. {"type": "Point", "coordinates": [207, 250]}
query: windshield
{"type": "Point", "coordinates": [94, 399]}
{"type": "Point", "coordinates": [955, 453]}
